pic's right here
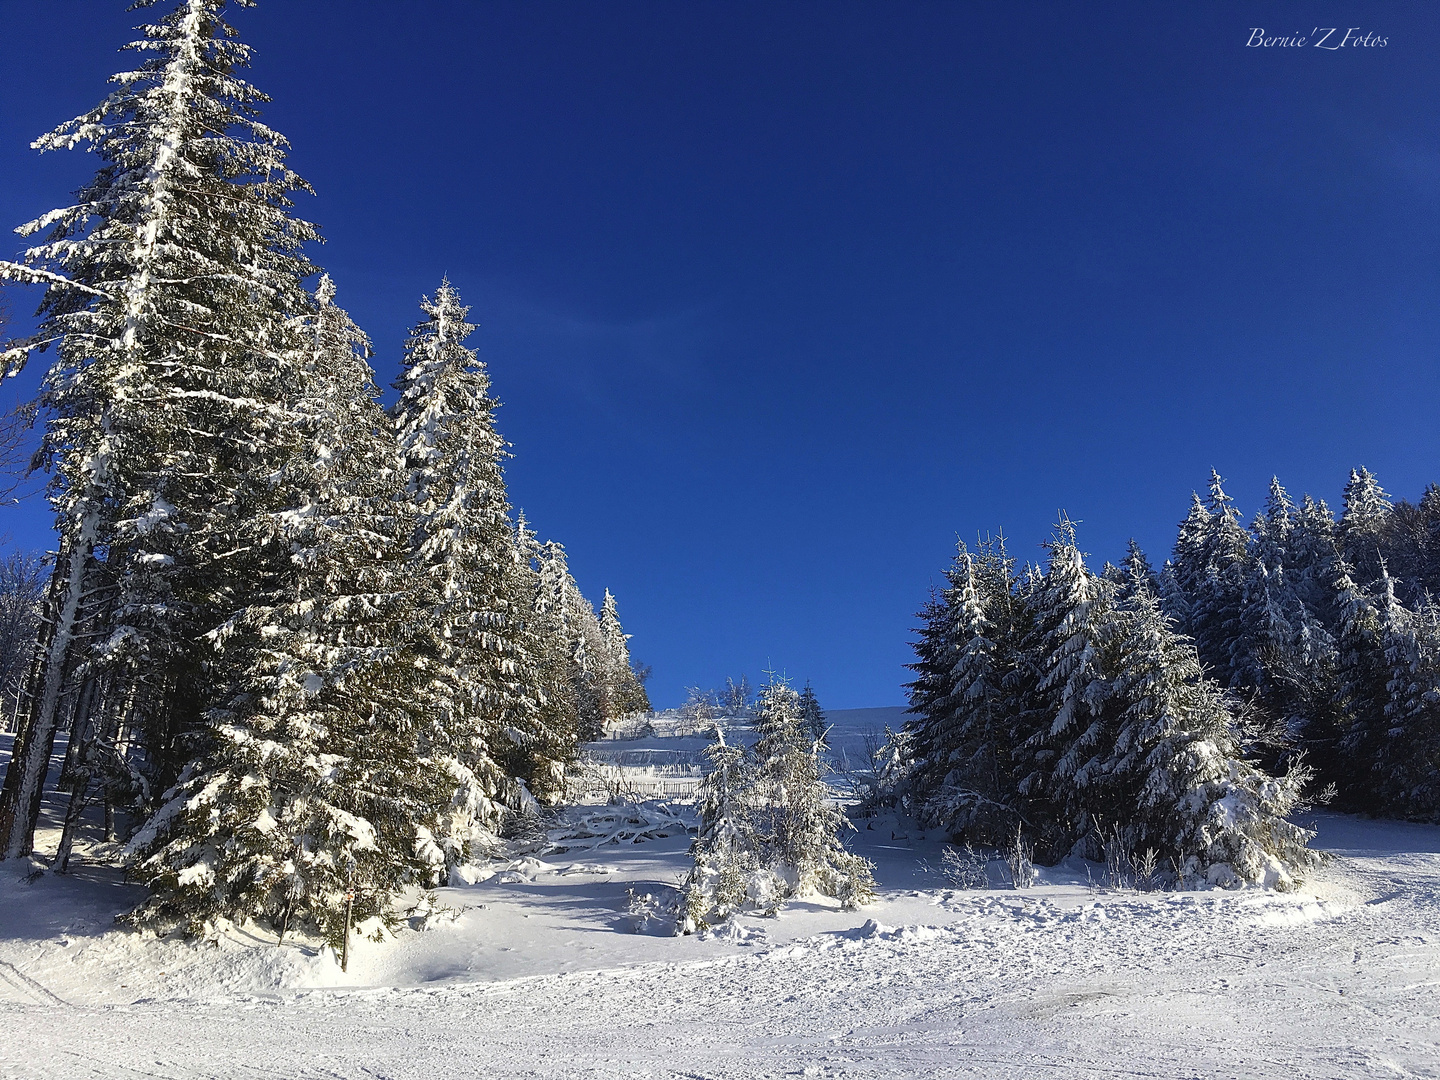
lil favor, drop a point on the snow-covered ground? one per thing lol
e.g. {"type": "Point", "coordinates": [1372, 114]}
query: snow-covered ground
{"type": "Point", "coordinates": [548, 967]}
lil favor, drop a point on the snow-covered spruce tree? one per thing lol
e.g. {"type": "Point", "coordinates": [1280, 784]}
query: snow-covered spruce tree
{"type": "Point", "coordinates": [769, 830]}
{"type": "Point", "coordinates": [1362, 525]}
{"type": "Point", "coordinates": [1133, 573]}
{"type": "Point", "coordinates": [726, 876]}
{"type": "Point", "coordinates": [1174, 779]}
{"type": "Point", "coordinates": [547, 642]}
{"type": "Point", "coordinates": [811, 714]}
{"type": "Point", "coordinates": [1363, 680]}
{"type": "Point", "coordinates": [173, 302]}
{"type": "Point", "coordinates": [1185, 569]}
{"type": "Point", "coordinates": [461, 553]}
{"type": "Point", "coordinates": [1073, 653]}
{"type": "Point", "coordinates": [930, 692]}
{"type": "Point", "coordinates": [794, 809]}
{"type": "Point", "coordinates": [1411, 546]}
{"type": "Point", "coordinates": [1211, 567]}
{"type": "Point", "coordinates": [1284, 653]}
{"type": "Point", "coordinates": [622, 692]}
{"type": "Point", "coordinates": [1313, 560]}
{"type": "Point", "coordinates": [1389, 678]}
{"type": "Point", "coordinates": [575, 619]}
{"type": "Point", "coordinates": [1407, 755]}
{"type": "Point", "coordinates": [323, 772]}
{"type": "Point", "coordinates": [966, 750]}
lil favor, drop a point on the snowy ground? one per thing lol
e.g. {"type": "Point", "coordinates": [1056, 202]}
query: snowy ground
{"type": "Point", "coordinates": [539, 971]}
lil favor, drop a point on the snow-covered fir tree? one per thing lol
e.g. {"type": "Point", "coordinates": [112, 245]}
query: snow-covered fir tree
{"type": "Point", "coordinates": [769, 827]}
{"type": "Point", "coordinates": [547, 642]}
{"type": "Point", "coordinates": [1175, 781]}
{"type": "Point", "coordinates": [580, 640]}
{"type": "Point", "coordinates": [1407, 756]}
{"type": "Point", "coordinates": [1412, 546]}
{"type": "Point", "coordinates": [461, 554]}
{"type": "Point", "coordinates": [1133, 573]}
{"type": "Point", "coordinates": [622, 692]}
{"type": "Point", "coordinates": [1284, 653]}
{"type": "Point", "coordinates": [726, 875]}
{"type": "Point", "coordinates": [1074, 710]}
{"type": "Point", "coordinates": [796, 807]}
{"type": "Point", "coordinates": [1073, 641]}
{"type": "Point", "coordinates": [1211, 566]}
{"type": "Point", "coordinates": [322, 775]}
{"type": "Point", "coordinates": [967, 740]}
{"type": "Point", "coordinates": [174, 305]}
{"type": "Point", "coordinates": [1363, 525]}
{"type": "Point", "coordinates": [810, 712]}
{"type": "Point", "coordinates": [1363, 678]}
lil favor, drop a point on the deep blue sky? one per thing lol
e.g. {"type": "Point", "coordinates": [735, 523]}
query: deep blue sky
{"type": "Point", "coordinates": [782, 297]}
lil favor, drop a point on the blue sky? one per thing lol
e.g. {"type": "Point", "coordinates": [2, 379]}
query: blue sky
{"type": "Point", "coordinates": [783, 297]}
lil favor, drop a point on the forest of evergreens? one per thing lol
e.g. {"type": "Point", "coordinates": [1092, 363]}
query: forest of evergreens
{"type": "Point", "coordinates": [303, 653]}
{"type": "Point", "coordinates": [1186, 711]}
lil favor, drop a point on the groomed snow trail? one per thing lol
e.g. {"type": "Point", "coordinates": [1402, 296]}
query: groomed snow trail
{"type": "Point", "coordinates": [1341, 981]}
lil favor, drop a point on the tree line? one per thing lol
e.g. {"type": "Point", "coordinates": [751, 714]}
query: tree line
{"type": "Point", "coordinates": [304, 652]}
{"type": "Point", "coordinates": [1187, 711]}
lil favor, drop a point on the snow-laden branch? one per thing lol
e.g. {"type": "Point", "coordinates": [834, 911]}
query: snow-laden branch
{"type": "Point", "coordinates": [29, 275]}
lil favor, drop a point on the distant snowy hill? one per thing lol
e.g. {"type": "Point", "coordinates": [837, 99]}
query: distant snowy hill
{"type": "Point", "coordinates": [850, 727]}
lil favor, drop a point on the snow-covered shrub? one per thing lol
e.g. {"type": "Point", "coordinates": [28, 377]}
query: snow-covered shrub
{"type": "Point", "coordinates": [1020, 861]}
{"type": "Point", "coordinates": [650, 913]}
{"type": "Point", "coordinates": [965, 868]}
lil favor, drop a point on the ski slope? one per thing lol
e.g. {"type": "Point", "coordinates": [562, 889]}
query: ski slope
{"type": "Point", "coordinates": [538, 971]}
{"type": "Point", "coordinates": [554, 963]}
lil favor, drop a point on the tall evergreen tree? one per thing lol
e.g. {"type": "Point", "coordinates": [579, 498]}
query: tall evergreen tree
{"type": "Point", "coordinates": [1135, 573]}
{"type": "Point", "coordinates": [1217, 595]}
{"type": "Point", "coordinates": [322, 775]}
{"type": "Point", "coordinates": [546, 641]}
{"type": "Point", "coordinates": [1363, 678]}
{"type": "Point", "coordinates": [461, 551]}
{"type": "Point", "coordinates": [623, 693]}
{"type": "Point", "coordinates": [1411, 545]}
{"type": "Point", "coordinates": [797, 814]}
{"type": "Point", "coordinates": [581, 640]}
{"type": "Point", "coordinates": [968, 745]}
{"type": "Point", "coordinates": [1407, 755]}
{"type": "Point", "coordinates": [174, 300]}
{"type": "Point", "coordinates": [1072, 616]}
{"type": "Point", "coordinates": [811, 714]}
{"type": "Point", "coordinates": [1363, 525]}
{"type": "Point", "coordinates": [726, 850]}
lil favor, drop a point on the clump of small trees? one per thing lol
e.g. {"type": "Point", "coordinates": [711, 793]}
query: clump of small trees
{"type": "Point", "coordinates": [770, 828]}
{"type": "Point", "coordinates": [1067, 705]}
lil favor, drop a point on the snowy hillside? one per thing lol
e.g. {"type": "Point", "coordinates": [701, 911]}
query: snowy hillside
{"type": "Point", "coordinates": [662, 754]}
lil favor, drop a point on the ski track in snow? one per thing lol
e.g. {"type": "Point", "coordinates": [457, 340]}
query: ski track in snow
{"type": "Point", "coordinates": [1337, 981]}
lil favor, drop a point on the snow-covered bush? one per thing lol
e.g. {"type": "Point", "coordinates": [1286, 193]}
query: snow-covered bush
{"type": "Point", "coordinates": [965, 868]}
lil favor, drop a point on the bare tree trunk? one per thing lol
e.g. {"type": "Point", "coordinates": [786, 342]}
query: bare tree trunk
{"type": "Point", "coordinates": [25, 779]}
{"type": "Point", "coordinates": [79, 796]}
{"type": "Point", "coordinates": [81, 761]}
{"type": "Point", "coordinates": [345, 948]}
